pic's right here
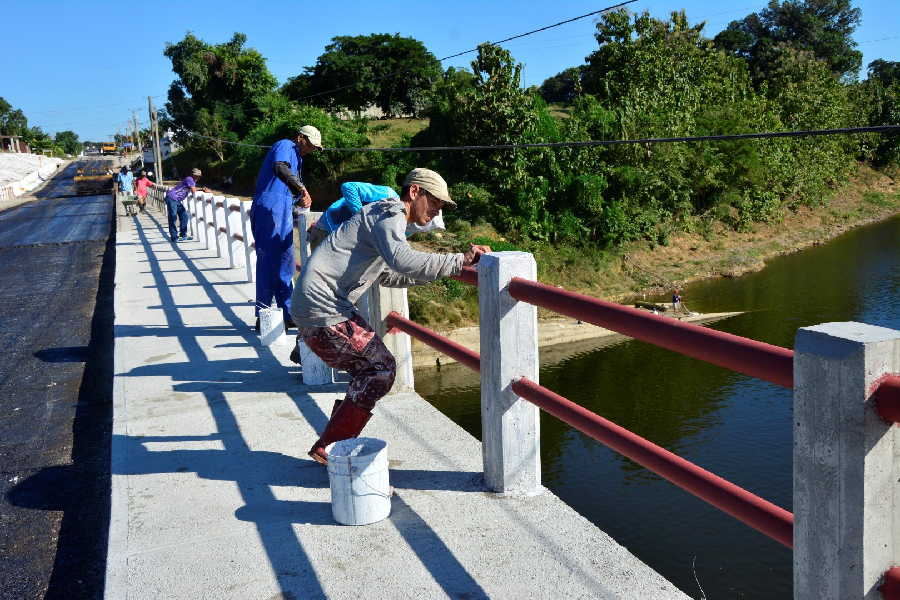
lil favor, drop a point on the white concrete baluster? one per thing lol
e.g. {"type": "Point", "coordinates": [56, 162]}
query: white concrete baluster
{"type": "Point", "coordinates": [192, 215]}
{"type": "Point", "coordinates": [510, 425]}
{"type": "Point", "coordinates": [845, 462]}
{"type": "Point", "coordinates": [233, 233]}
{"type": "Point", "coordinates": [315, 372]}
{"type": "Point", "coordinates": [247, 232]}
{"type": "Point", "coordinates": [381, 301]}
{"type": "Point", "coordinates": [209, 215]}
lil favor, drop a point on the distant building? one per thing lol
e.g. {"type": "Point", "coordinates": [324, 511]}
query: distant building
{"type": "Point", "coordinates": [166, 147]}
{"type": "Point", "coordinates": [14, 144]}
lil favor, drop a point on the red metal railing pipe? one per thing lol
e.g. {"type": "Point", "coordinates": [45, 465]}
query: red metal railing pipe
{"type": "Point", "coordinates": [887, 399]}
{"type": "Point", "coordinates": [749, 508]}
{"type": "Point", "coordinates": [438, 342]}
{"type": "Point", "coordinates": [467, 275]}
{"type": "Point", "coordinates": [890, 588]}
{"type": "Point", "coordinates": [757, 359]}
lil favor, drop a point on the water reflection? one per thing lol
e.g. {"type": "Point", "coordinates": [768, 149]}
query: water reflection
{"type": "Point", "coordinates": [733, 425]}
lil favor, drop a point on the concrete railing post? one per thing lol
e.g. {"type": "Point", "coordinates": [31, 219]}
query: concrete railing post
{"type": "Point", "coordinates": [247, 232]}
{"type": "Point", "coordinates": [199, 207]}
{"type": "Point", "coordinates": [209, 227]}
{"type": "Point", "coordinates": [510, 426]}
{"type": "Point", "coordinates": [218, 210]}
{"type": "Point", "coordinates": [845, 462]}
{"type": "Point", "coordinates": [315, 372]}
{"type": "Point", "coordinates": [381, 302]}
{"type": "Point", "coordinates": [192, 214]}
{"type": "Point", "coordinates": [236, 254]}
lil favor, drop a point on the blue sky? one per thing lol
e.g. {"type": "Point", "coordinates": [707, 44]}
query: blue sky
{"type": "Point", "coordinates": [85, 65]}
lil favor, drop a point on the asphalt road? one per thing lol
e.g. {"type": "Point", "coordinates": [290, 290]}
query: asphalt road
{"type": "Point", "coordinates": [57, 263]}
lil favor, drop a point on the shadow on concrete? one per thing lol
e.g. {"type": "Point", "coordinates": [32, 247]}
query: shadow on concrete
{"type": "Point", "coordinates": [64, 354]}
{"type": "Point", "coordinates": [255, 471]}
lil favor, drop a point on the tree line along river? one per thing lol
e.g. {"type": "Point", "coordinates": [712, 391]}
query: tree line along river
{"type": "Point", "coordinates": [733, 425]}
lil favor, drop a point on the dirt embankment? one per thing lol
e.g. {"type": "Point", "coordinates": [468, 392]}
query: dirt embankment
{"type": "Point", "coordinates": [870, 197]}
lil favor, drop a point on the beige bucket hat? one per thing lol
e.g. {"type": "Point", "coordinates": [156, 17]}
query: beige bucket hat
{"type": "Point", "coordinates": [432, 183]}
{"type": "Point", "coordinates": [312, 134]}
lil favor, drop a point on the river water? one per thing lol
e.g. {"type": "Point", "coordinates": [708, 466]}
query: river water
{"type": "Point", "coordinates": [733, 425]}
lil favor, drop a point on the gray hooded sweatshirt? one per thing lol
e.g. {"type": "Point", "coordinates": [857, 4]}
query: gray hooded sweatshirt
{"type": "Point", "coordinates": [368, 248]}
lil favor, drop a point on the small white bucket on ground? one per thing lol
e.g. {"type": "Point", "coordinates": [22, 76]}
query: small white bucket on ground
{"type": "Point", "coordinates": [358, 475]}
{"type": "Point", "coordinates": [271, 326]}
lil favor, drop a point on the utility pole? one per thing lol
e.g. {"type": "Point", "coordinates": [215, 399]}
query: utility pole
{"type": "Point", "coordinates": [154, 125]}
{"type": "Point", "coordinates": [137, 136]}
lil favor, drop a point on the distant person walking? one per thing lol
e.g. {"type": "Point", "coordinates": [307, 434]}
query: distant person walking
{"type": "Point", "coordinates": [142, 186]}
{"type": "Point", "coordinates": [279, 187]}
{"type": "Point", "coordinates": [175, 207]}
{"type": "Point", "coordinates": [125, 181]}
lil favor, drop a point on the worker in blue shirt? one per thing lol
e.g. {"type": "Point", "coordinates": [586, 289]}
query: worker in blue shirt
{"type": "Point", "coordinates": [278, 188]}
{"type": "Point", "coordinates": [354, 195]}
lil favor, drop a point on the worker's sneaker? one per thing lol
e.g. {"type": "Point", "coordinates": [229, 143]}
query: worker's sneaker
{"type": "Point", "coordinates": [295, 355]}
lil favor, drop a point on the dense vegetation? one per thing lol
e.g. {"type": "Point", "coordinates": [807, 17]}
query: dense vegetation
{"type": "Point", "coordinates": [791, 66]}
{"type": "Point", "coordinates": [14, 122]}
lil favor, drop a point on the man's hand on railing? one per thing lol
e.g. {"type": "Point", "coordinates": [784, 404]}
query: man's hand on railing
{"type": "Point", "coordinates": [474, 254]}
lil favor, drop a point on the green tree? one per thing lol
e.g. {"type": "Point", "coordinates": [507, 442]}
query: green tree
{"type": "Point", "coordinates": [12, 121]}
{"type": "Point", "coordinates": [388, 71]}
{"type": "Point", "coordinates": [562, 87]}
{"type": "Point", "coordinates": [68, 141]}
{"type": "Point", "coordinates": [220, 90]}
{"type": "Point", "coordinates": [885, 71]}
{"type": "Point", "coordinates": [878, 98]}
{"type": "Point", "coordinates": [822, 27]}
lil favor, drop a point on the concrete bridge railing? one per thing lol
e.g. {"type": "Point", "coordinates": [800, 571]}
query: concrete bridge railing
{"type": "Point", "coordinates": [845, 529]}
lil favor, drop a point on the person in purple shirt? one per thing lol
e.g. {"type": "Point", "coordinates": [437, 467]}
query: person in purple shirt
{"type": "Point", "coordinates": [175, 207]}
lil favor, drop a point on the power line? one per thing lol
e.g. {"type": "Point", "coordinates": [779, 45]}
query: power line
{"type": "Point", "coordinates": [697, 138]}
{"type": "Point", "coordinates": [515, 37]}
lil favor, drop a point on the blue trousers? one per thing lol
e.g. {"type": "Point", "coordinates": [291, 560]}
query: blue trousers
{"type": "Point", "coordinates": [175, 208]}
{"type": "Point", "coordinates": [273, 234]}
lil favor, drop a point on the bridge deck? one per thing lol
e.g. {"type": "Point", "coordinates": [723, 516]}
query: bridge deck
{"type": "Point", "coordinates": [214, 497]}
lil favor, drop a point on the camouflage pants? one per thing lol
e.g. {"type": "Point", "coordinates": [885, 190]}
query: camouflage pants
{"type": "Point", "coordinates": [352, 346]}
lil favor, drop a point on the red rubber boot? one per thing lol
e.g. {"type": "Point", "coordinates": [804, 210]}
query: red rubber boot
{"type": "Point", "coordinates": [346, 422]}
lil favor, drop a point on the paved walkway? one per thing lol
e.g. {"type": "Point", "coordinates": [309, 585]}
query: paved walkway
{"type": "Point", "coordinates": [214, 497]}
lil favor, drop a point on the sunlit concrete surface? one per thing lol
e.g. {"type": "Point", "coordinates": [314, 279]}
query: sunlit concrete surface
{"type": "Point", "coordinates": [214, 496]}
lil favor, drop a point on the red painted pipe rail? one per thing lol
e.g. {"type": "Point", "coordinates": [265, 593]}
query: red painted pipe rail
{"type": "Point", "coordinates": [890, 588]}
{"type": "Point", "coordinates": [887, 401]}
{"type": "Point", "coordinates": [757, 359]}
{"type": "Point", "coordinates": [746, 507]}
{"type": "Point", "coordinates": [756, 512]}
{"type": "Point", "coordinates": [465, 356]}
{"type": "Point", "coordinates": [468, 275]}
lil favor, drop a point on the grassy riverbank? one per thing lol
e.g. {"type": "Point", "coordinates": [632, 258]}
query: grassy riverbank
{"type": "Point", "coordinates": [710, 250]}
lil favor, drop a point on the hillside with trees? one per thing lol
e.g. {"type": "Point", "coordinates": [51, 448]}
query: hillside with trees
{"type": "Point", "coordinates": [792, 66]}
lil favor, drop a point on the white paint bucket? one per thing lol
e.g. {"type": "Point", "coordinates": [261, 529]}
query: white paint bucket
{"type": "Point", "coordinates": [358, 474]}
{"type": "Point", "coordinates": [271, 326]}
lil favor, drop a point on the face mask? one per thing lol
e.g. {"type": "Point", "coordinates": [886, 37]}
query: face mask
{"type": "Point", "coordinates": [435, 223]}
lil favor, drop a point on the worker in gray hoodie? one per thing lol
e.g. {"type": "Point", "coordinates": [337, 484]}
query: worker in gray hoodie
{"type": "Point", "coordinates": [368, 249]}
